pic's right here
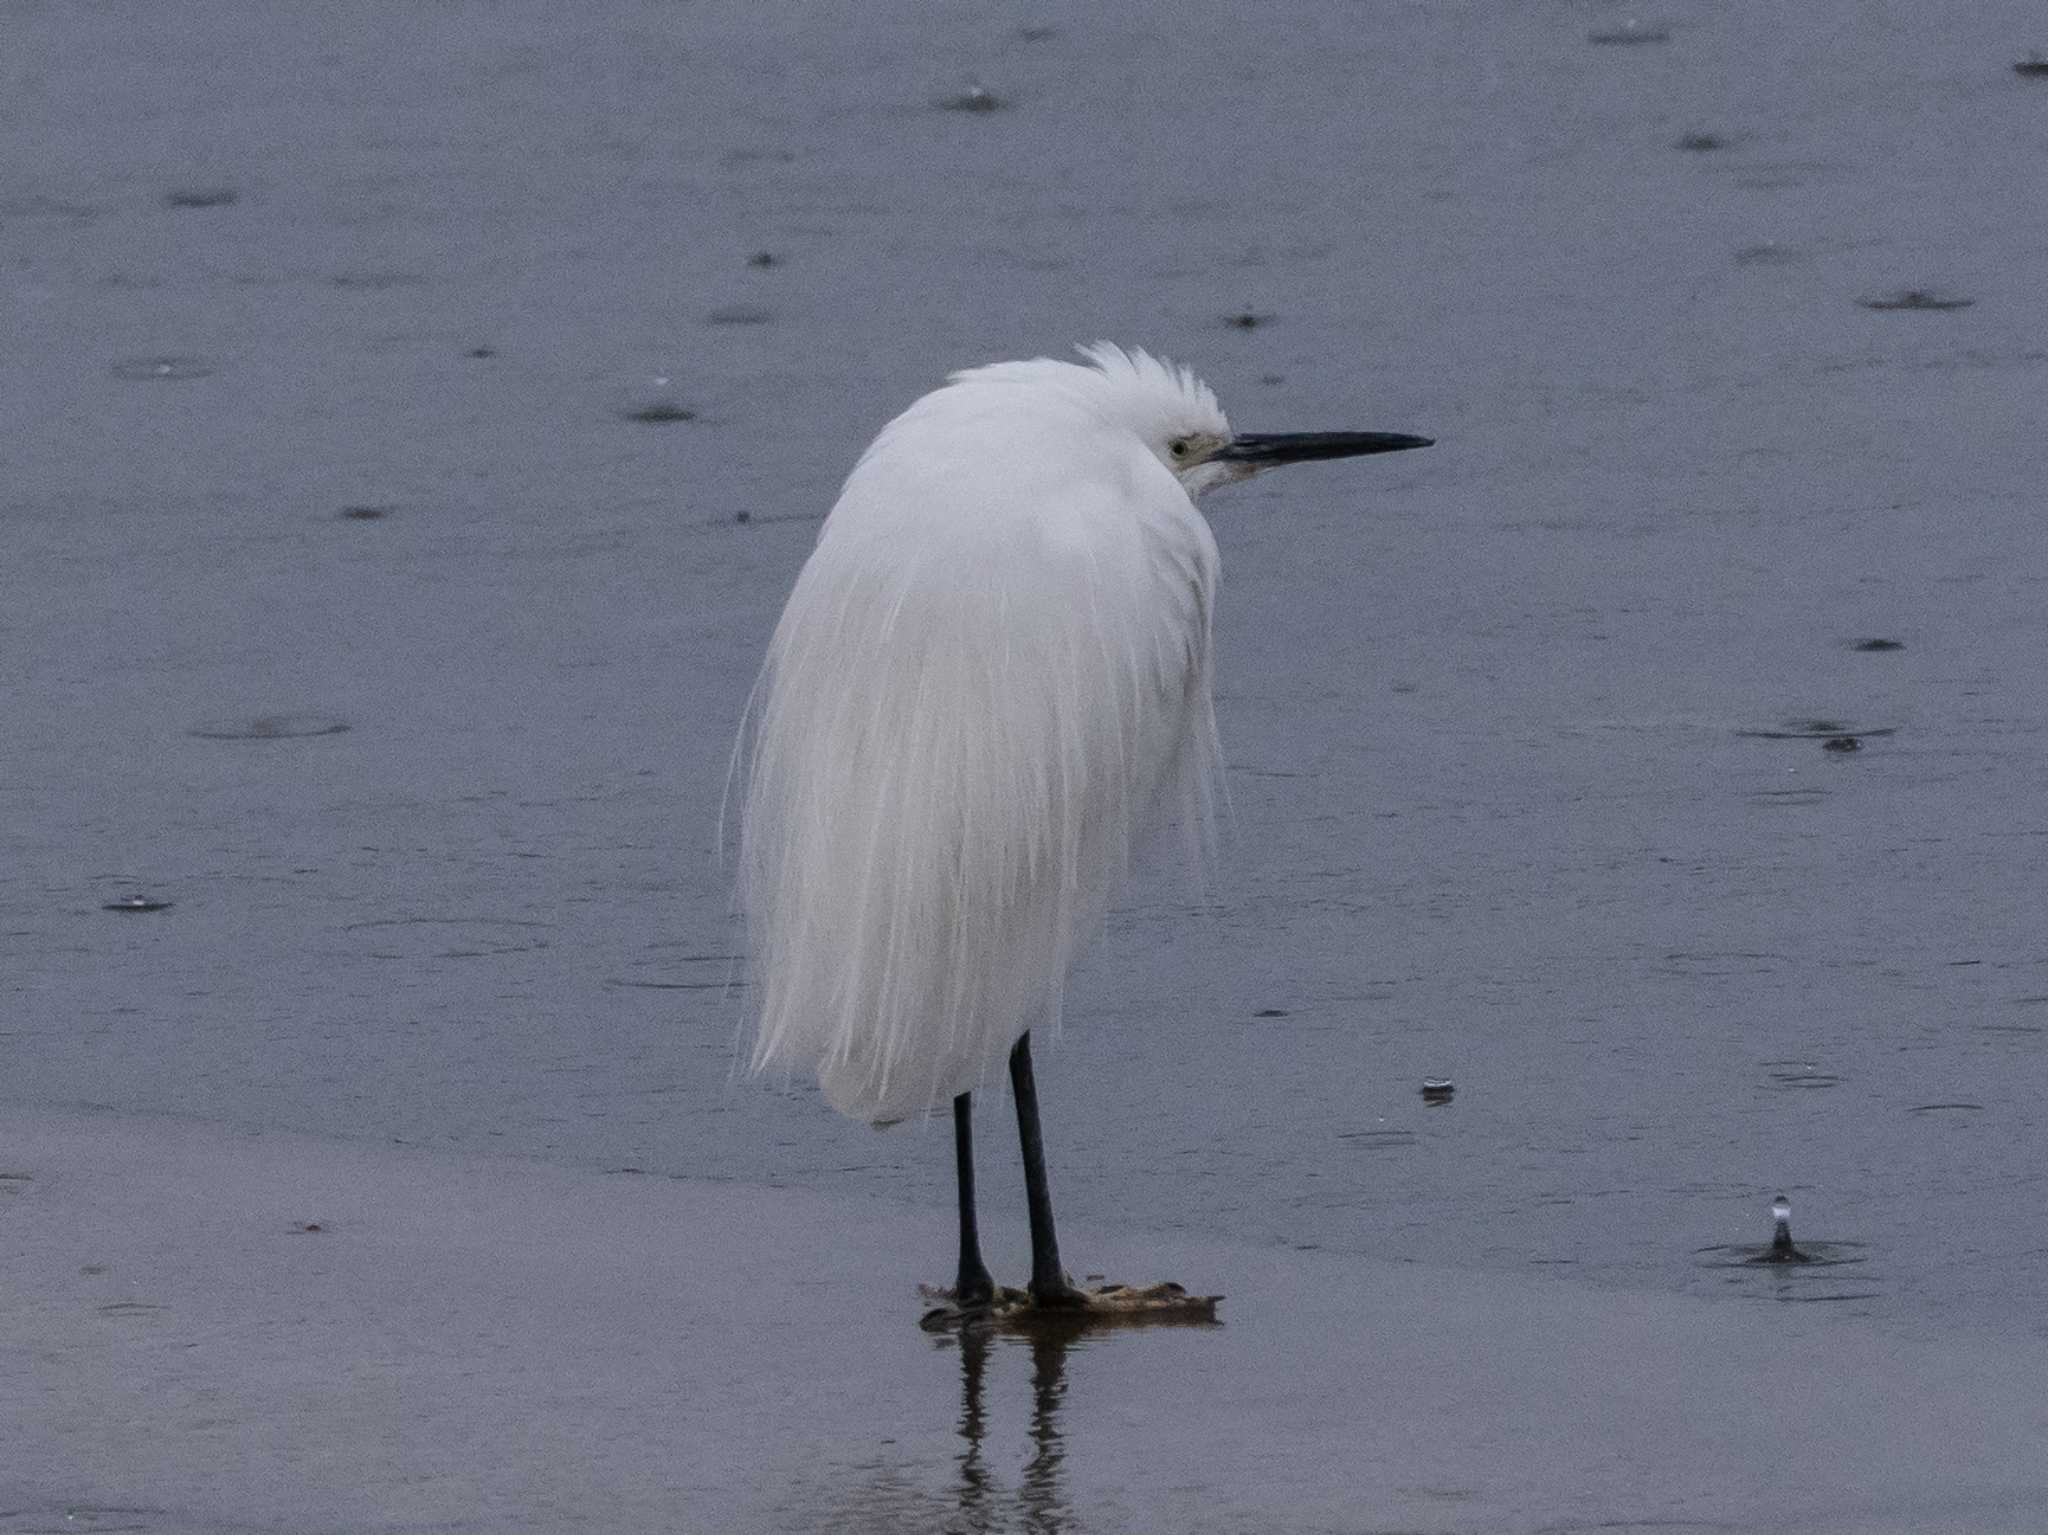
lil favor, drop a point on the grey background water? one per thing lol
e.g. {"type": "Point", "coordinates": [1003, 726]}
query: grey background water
{"type": "Point", "coordinates": [1499, 810]}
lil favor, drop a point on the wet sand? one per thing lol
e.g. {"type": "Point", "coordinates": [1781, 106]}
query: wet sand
{"type": "Point", "coordinates": [487, 1344]}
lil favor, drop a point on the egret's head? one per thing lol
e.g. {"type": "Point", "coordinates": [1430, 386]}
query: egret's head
{"type": "Point", "coordinates": [1176, 416]}
{"type": "Point", "coordinates": [1173, 413]}
{"type": "Point", "coordinates": [1170, 411]}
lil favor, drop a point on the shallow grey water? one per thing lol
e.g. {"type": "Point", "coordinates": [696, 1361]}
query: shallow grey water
{"type": "Point", "coordinates": [1526, 790]}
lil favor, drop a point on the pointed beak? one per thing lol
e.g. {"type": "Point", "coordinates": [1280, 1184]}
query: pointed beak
{"type": "Point", "coordinates": [1264, 451]}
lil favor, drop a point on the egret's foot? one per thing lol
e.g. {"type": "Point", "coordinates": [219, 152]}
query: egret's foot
{"type": "Point", "coordinates": [1162, 1302]}
{"type": "Point", "coordinates": [1099, 1305]}
{"type": "Point", "coordinates": [1062, 1296]}
{"type": "Point", "coordinates": [949, 1309]}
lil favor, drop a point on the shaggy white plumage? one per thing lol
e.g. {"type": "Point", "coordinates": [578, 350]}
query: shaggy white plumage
{"type": "Point", "coordinates": [994, 662]}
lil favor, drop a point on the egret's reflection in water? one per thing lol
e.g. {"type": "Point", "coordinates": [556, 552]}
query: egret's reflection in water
{"type": "Point", "coordinates": [1039, 1504]}
{"type": "Point", "coordinates": [975, 1488]}
{"type": "Point", "coordinates": [992, 1475]}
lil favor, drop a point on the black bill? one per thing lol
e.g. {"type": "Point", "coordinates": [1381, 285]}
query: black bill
{"type": "Point", "coordinates": [1300, 447]}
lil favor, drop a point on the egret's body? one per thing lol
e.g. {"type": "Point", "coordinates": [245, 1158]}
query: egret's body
{"type": "Point", "coordinates": [994, 664]}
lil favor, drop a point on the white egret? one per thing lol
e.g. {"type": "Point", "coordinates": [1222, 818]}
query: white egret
{"type": "Point", "coordinates": [994, 663]}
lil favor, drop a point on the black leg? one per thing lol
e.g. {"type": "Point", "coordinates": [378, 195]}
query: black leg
{"type": "Point", "coordinates": [973, 1286]}
{"type": "Point", "coordinates": [1049, 1285]}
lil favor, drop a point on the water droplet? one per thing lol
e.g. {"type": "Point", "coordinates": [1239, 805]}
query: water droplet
{"type": "Point", "coordinates": [375, 282]}
{"type": "Point", "coordinates": [1813, 730]}
{"type": "Point", "coordinates": [1629, 34]}
{"type": "Point", "coordinates": [202, 197]}
{"type": "Point", "coordinates": [656, 412]}
{"type": "Point", "coordinates": [1781, 1249]}
{"type": "Point", "coordinates": [977, 98]}
{"type": "Point", "coordinates": [269, 727]}
{"type": "Point", "coordinates": [162, 369]}
{"type": "Point", "coordinates": [1378, 1140]}
{"type": "Point", "coordinates": [1800, 1076]}
{"type": "Point", "coordinates": [1788, 1258]}
{"type": "Point", "coordinates": [1927, 299]}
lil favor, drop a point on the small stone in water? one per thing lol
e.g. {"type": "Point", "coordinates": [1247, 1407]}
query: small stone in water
{"type": "Point", "coordinates": [1841, 744]}
{"type": "Point", "coordinates": [137, 903]}
{"type": "Point", "coordinates": [1438, 1089]}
